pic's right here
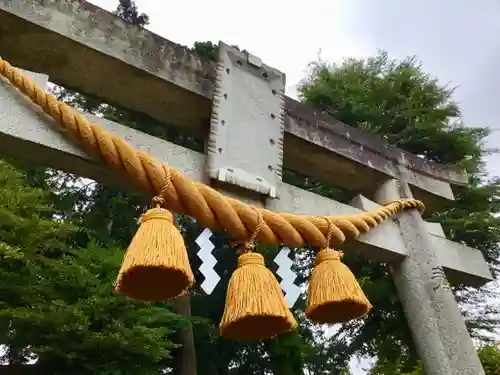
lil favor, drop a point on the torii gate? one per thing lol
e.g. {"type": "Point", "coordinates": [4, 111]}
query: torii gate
{"type": "Point", "coordinates": [252, 131]}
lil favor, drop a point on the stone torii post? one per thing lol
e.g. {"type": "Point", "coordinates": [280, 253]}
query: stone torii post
{"type": "Point", "coordinates": [252, 131]}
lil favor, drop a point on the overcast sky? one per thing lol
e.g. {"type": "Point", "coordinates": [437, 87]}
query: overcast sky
{"type": "Point", "coordinates": [457, 40]}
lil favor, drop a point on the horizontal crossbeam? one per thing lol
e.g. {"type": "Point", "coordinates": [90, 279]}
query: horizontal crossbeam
{"type": "Point", "coordinates": [84, 47]}
{"type": "Point", "coordinates": [26, 133]}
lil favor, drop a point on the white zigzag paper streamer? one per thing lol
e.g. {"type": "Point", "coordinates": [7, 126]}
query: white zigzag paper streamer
{"type": "Point", "coordinates": [208, 261]}
{"type": "Point", "coordinates": [292, 291]}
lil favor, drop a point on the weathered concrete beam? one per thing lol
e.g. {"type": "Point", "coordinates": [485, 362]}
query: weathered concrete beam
{"type": "Point", "coordinates": [28, 134]}
{"type": "Point", "coordinates": [356, 161]}
{"type": "Point", "coordinates": [461, 263]}
{"type": "Point", "coordinates": [25, 132]}
{"type": "Point", "coordinates": [84, 47]}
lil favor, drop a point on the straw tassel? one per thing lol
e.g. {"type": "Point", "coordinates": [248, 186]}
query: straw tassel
{"type": "Point", "coordinates": [156, 265]}
{"type": "Point", "coordinates": [334, 294]}
{"type": "Point", "coordinates": [255, 305]}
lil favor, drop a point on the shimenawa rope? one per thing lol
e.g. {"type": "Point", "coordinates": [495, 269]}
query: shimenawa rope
{"type": "Point", "coordinates": [210, 208]}
{"type": "Point", "coordinates": [156, 265]}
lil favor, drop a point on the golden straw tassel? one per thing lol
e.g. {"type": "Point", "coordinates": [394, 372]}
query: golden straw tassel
{"type": "Point", "coordinates": [255, 305]}
{"type": "Point", "coordinates": [156, 265]}
{"type": "Point", "coordinates": [334, 294]}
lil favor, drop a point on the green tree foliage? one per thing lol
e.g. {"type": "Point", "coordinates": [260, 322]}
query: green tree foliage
{"type": "Point", "coordinates": [127, 10]}
{"type": "Point", "coordinates": [206, 50]}
{"type": "Point", "coordinates": [490, 358]}
{"type": "Point", "coordinates": [396, 100]}
{"type": "Point", "coordinates": [57, 304]}
{"type": "Point", "coordinates": [72, 321]}
{"type": "Point", "coordinates": [488, 355]}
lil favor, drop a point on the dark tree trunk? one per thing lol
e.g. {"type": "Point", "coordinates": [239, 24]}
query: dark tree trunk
{"type": "Point", "coordinates": [185, 355]}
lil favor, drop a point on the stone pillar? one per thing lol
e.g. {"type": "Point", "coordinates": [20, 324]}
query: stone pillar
{"type": "Point", "coordinates": [438, 328]}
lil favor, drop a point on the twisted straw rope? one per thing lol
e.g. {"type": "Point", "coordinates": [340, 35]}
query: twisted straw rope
{"type": "Point", "coordinates": [210, 208]}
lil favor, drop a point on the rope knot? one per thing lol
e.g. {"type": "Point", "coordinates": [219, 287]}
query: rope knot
{"type": "Point", "coordinates": [157, 213]}
{"type": "Point", "coordinates": [160, 200]}
{"type": "Point", "coordinates": [328, 254]}
{"type": "Point", "coordinates": [248, 246]}
{"type": "Point", "coordinates": [250, 258]}
{"type": "Point", "coordinates": [245, 247]}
